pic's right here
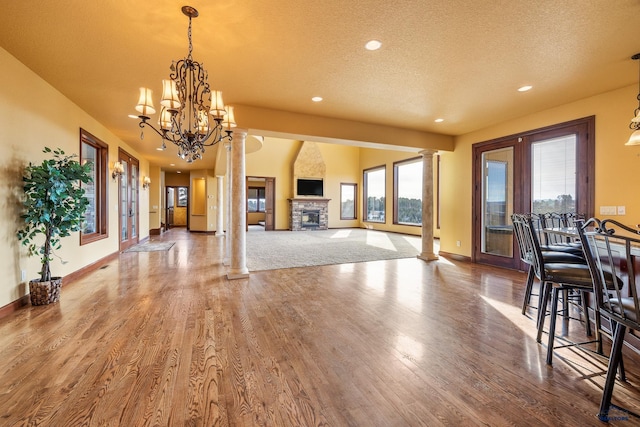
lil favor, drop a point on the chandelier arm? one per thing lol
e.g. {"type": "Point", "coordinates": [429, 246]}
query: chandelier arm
{"type": "Point", "coordinates": [144, 122]}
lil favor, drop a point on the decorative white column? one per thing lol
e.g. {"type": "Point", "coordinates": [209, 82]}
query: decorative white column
{"type": "Point", "coordinates": [219, 207]}
{"type": "Point", "coordinates": [238, 236]}
{"type": "Point", "coordinates": [427, 253]}
{"type": "Point", "coordinates": [227, 253]}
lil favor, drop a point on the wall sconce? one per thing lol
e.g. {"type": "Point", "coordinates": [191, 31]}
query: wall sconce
{"type": "Point", "coordinates": [146, 182]}
{"type": "Point", "coordinates": [118, 170]}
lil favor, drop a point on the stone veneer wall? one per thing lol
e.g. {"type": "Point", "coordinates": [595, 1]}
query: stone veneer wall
{"type": "Point", "coordinates": [296, 206]}
{"type": "Point", "coordinates": [308, 164]}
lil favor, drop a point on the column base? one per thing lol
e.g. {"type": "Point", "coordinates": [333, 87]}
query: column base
{"type": "Point", "coordinates": [240, 275]}
{"type": "Point", "coordinates": [427, 257]}
{"type": "Point", "coordinates": [219, 233]}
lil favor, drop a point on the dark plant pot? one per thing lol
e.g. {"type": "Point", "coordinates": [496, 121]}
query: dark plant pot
{"type": "Point", "coordinates": [43, 293]}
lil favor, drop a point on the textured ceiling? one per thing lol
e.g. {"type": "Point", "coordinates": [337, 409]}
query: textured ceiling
{"type": "Point", "coordinates": [457, 60]}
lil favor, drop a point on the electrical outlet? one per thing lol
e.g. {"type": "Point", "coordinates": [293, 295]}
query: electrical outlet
{"type": "Point", "coordinates": [458, 243]}
{"type": "Point", "coordinates": [622, 210]}
{"type": "Point", "coordinates": [23, 275]}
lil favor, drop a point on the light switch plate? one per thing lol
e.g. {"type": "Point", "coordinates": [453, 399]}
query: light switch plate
{"type": "Point", "coordinates": [622, 210]}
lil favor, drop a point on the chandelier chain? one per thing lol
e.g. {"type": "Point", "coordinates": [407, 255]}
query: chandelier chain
{"type": "Point", "coordinates": [189, 37]}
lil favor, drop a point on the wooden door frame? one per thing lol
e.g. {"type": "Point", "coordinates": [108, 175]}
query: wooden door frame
{"type": "Point", "coordinates": [269, 201]}
{"type": "Point", "coordinates": [585, 152]}
{"type": "Point", "coordinates": [477, 174]}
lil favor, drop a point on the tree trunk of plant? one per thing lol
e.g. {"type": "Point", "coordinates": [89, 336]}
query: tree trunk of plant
{"type": "Point", "coordinates": [45, 273]}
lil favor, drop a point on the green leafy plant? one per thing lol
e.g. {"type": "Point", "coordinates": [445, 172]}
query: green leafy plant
{"type": "Point", "coordinates": [54, 204]}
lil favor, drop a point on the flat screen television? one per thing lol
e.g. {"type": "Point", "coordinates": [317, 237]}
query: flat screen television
{"type": "Point", "coordinates": [309, 187]}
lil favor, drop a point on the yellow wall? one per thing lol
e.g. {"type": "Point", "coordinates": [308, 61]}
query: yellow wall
{"type": "Point", "coordinates": [33, 115]}
{"type": "Point", "coordinates": [342, 166]}
{"type": "Point", "coordinates": [203, 211]}
{"type": "Point", "coordinates": [616, 164]}
{"type": "Point", "coordinates": [155, 197]}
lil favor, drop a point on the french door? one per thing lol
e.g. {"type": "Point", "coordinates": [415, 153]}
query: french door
{"type": "Point", "coordinates": [128, 200]}
{"type": "Point", "coordinates": [544, 170]}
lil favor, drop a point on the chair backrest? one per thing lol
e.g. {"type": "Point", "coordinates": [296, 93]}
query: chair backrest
{"type": "Point", "coordinates": [610, 249]}
{"type": "Point", "coordinates": [552, 220]}
{"type": "Point", "coordinates": [516, 219]}
{"type": "Point", "coordinates": [571, 218]}
{"type": "Point", "coordinates": [527, 235]}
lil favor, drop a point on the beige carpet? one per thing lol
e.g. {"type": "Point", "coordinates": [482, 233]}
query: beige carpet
{"type": "Point", "coordinates": [271, 250]}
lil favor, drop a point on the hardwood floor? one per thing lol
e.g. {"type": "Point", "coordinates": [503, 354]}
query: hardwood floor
{"type": "Point", "coordinates": [162, 338]}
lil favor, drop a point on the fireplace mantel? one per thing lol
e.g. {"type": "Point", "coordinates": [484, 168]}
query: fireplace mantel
{"type": "Point", "coordinates": [308, 199]}
{"type": "Point", "coordinates": [299, 205]}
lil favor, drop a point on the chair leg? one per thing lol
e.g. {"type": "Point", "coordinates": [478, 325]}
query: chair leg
{"type": "Point", "coordinates": [585, 310]}
{"type": "Point", "coordinates": [597, 323]}
{"type": "Point", "coordinates": [542, 307]}
{"type": "Point", "coordinates": [552, 323]}
{"type": "Point", "coordinates": [528, 289]}
{"type": "Point", "coordinates": [614, 361]}
{"type": "Point", "coordinates": [621, 373]}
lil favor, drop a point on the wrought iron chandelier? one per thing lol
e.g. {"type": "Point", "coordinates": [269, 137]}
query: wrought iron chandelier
{"type": "Point", "coordinates": [634, 139]}
{"type": "Point", "coordinates": [186, 104]}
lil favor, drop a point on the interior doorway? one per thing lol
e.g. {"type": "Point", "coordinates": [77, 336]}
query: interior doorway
{"type": "Point", "coordinates": [177, 206]}
{"type": "Point", "coordinates": [261, 202]}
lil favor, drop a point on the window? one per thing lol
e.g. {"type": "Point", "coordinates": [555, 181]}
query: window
{"type": "Point", "coordinates": [94, 152]}
{"type": "Point", "coordinates": [375, 194]}
{"type": "Point", "coordinates": [255, 199]}
{"type": "Point", "coordinates": [553, 175]}
{"type": "Point", "coordinates": [408, 192]}
{"type": "Point", "coordinates": [348, 194]}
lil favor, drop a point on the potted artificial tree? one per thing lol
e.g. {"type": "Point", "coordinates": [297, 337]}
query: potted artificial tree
{"type": "Point", "coordinates": [54, 206]}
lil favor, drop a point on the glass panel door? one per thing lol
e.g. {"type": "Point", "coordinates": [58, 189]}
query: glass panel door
{"type": "Point", "coordinates": [128, 201]}
{"type": "Point", "coordinates": [133, 208]}
{"type": "Point", "coordinates": [497, 202]}
{"type": "Point", "coordinates": [124, 202]}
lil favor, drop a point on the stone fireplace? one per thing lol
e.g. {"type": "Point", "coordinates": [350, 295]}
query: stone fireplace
{"type": "Point", "coordinates": [309, 211]}
{"type": "Point", "coordinates": [308, 214]}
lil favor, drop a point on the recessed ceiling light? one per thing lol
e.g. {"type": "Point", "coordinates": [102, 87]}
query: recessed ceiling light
{"type": "Point", "coordinates": [373, 45]}
{"type": "Point", "coordinates": [172, 164]}
{"type": "Point", "coordinates": [178, 171]}
{"type": "Point", "coordinates": [525, 88]}
{"type": "Point", "coordinates": [316, 99]}
{"type": "Point", "coordinates": [439, 120]}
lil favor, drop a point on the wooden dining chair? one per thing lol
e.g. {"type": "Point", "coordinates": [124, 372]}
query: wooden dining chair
{"type": "Point", "coordinates": [610, 249]}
